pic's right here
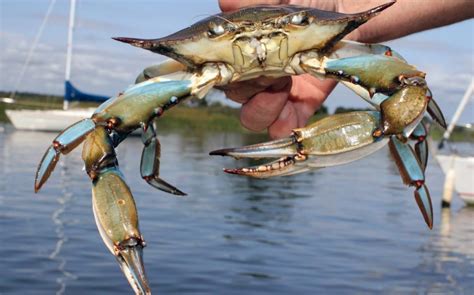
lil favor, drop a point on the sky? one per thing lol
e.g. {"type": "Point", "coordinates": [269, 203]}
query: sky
{"type": "Point", "coordinates": [104, 66]}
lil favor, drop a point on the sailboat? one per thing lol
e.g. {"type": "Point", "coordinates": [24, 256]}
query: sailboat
{"type": "Point", "coordinates": [459, 169]}
{"type": "Point", "coordinates": [55, 119]}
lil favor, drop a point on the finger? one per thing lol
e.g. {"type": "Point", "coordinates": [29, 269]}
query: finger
{"type": "Point", "coordinates": [307, 94]}
{"type": "Point", "coordinates": [241, 92]}
{"type": "Point", "coordinates": [311, 90]}
{"type": "Point", "coordinates": [285, 123]}
{"type": "Point", "coordinates": [263, 109]}
{"type": "Point", "coordinates": [227, 5]}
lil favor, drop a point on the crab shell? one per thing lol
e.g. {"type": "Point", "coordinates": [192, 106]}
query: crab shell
{"type": "Point", "coordinates": [259, 37]}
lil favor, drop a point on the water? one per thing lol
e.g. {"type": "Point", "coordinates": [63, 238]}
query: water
{"type": "Point", "coordinates": [353, 229]}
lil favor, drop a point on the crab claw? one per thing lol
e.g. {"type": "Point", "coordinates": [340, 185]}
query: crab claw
{"type": "Point", "coordinates": [423, 200]}
{"type": "Point", "coordinates": [64, 143]}
{"type": "Point", "coordinates": [436, 113]}
{"type": "Point", "coordinates": [150, 163]}
{"type": "Point", "coordinates": [412, 174]}
{"type": "Point", "coordinates": [116, 218]}
{"type": "Point", "coordinates": [334, 140]}
{"type": "Point", "coordinates": [130, 259]}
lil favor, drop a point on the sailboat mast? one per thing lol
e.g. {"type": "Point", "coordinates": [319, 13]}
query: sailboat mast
{"type": "Point", "coordinates": [460, 109]}
{"type": "Point", "coordinates": [32, 49]}
{"type": "Point", "coordinates": [72, 12]}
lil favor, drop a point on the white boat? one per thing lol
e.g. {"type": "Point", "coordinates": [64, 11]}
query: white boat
{"type": "Point", "coordinates": [53, 119]}
{"type": "Point", "coordinates": [459, 169]}
{"type": "Point", "coordinates": [46, 120]}
{"type": "Point", "coordinates": [459, 175]}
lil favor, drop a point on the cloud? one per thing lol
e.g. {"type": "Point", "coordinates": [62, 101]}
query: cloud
{"type": "Point", "coordinates": [98, 70]}
{"type": "Point", "coordinates": [83, 23]}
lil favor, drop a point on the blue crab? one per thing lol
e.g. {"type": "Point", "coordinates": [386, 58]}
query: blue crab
{"type": "Point", "coordinates": [272, 41]}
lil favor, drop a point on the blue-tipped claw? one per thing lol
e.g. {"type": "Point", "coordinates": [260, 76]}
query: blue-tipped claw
{"type": "Point", "coordinates": [423, 199]}
{"type": "Point", "coordinates": [421, 147]}
{"type": "Point", "coordinates": [162, 185]}
{"type": "Point", "coordinates": [406, 160]}
{"type": "Point", "coordinates": [130, 259]}
{"type": "Point", "coordinates": [150, 163]}
{"type": "Point", "coordinates": [65, 142]}
{"type": "Point", "coordinates": [413, 175]}
{"type": "Point", "coordinates": [46, 166]}
{"type": "Point", "coordinates": [436, 113]}
{"type": "Point", "coordinates": [116, 218]}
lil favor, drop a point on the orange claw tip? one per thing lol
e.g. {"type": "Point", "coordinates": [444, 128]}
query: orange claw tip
{"type": "Point", "coordinates": [239, 171]}
{"type": "Point", "coordinates": [232, 171]}
{"type": "Point", "coordinates": [39, 183]}
{"type": "Point", "coordinates": [423, 200]}
{"type": "Point", "coordinates": [252, 172]}
{"type": "Point", "coordinates": [46, 167]}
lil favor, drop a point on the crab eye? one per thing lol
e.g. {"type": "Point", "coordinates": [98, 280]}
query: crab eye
{"type": "Point", "coordinates": [215, 30]}
{"type": "Point", "coordinates": [282, 21]}
{"type": "Point", "coordinates": [231, 27]}
{"type": "Point", "coordinates": [299, 19]}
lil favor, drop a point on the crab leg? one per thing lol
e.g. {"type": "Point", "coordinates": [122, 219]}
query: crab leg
{"type": "Point", "coordinates": [113, 205]}
{"type": "Point", "coordinates": [373, 71]}
{"type": "Point", "coordinates": [386, 72]}
{"type": "Point", "coordinates": [114, 208]}
{"type": "Point", "coordinates": [167, 67]}
{"type": "Point", "coordinates": [412, 174]}
{"type": "Point", "coordinates": [64, 143]}
{"type": "Point", "coordinates": [376, 73]}
{"type": "Point", "coordinates": [436, 113]}
{"type": "Point", "coordinates": [137, 106]}
{"type": "Point", "coordinates": [150, 162]}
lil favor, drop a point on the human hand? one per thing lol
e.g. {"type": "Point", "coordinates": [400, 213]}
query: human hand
{"type": "Point", "coordinates": [279, 105]}
{"type": "Point", "coordinates": [284, 104]}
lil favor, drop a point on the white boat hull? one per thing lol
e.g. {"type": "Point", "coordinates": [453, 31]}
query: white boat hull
{"type": "Point", "coordinates": [463, 168]}
{"type": "Point", "coordinates": [46, 120]}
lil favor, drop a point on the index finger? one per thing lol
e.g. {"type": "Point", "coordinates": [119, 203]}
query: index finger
{"type": "Point", "coordinates": [242, 91]}
{"type": "Point", "coordinates": [227, 5]}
